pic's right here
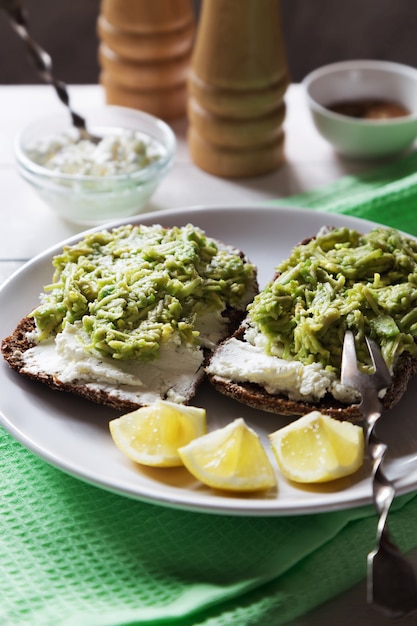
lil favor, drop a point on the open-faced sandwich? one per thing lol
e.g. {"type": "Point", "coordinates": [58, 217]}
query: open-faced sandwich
{"type": "Point", "coordinates": [286, 356]}
{"type": "Point", "coordinates": [132, 313]}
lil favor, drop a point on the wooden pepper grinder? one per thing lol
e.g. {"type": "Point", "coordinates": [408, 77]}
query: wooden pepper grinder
{"type": "Point", "coordinates": [145, 53]}
{"type": "Point", "coordinates": [236, 88]}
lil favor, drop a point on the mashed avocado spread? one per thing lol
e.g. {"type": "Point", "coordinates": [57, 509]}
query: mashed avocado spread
{"type": "Point", "coordinates": [341, 280]}
{"type": "Point", "coordinates": [136, 287]}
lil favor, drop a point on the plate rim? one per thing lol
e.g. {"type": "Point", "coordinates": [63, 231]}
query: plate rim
{"type": "Point", "coordinates": [258, 507]}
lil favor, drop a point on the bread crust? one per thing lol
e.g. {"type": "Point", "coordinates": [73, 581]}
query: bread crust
{"type": "Point", "coordinates": [257, 397]}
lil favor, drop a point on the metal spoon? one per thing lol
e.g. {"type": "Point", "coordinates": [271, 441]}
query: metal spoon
{"type": "Point", "coordinates": [43, 63]}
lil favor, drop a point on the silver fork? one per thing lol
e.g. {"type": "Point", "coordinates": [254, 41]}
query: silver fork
{"type": "Point", "coordinates": [391, 582]}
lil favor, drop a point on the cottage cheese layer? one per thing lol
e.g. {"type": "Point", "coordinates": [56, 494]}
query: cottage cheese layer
{"type": "Point", "coordinates": [244, 362]}
{"type": "Point", "coordinates": [173, 376]}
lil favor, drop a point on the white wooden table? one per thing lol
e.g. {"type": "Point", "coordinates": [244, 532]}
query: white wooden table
{"type": "Point", "coordinates": [27, 226]}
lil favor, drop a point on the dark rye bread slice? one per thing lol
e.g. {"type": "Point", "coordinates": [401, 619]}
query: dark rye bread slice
{"type": "Point", "coordinates": [13, 349]}
{"type": "Point", "coordinates": [15, 345]}
{"type": "Point", "coordinates": [255, 396]}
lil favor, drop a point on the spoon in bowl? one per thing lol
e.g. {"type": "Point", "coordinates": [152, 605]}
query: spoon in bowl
{"type": "Point", "coordinates": [43, 63]}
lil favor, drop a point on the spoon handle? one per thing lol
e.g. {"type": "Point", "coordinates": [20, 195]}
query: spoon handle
{"type": "Point", "coordinates": [40, 58]}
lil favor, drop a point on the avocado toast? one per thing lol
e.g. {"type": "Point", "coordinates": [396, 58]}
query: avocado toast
{"type": "Point", "coordinates": [132, 313]}
{"type": "Point", "coordinates": [285, 357]}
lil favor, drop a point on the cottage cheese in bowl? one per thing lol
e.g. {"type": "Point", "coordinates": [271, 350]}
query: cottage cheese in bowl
{"type": "Point", "coordinates": [113, 155]}
{"type": "Point", "coordinates": [90, 183]}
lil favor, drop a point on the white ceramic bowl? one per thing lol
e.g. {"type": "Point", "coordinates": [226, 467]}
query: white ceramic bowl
{"type": "Point", "coordinates": [91, 200]}
{"type": "Point", "coordinates": [358, 80]}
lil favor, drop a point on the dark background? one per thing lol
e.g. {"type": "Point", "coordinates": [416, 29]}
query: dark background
{"type": "Point", "coordinates": [316, 32]}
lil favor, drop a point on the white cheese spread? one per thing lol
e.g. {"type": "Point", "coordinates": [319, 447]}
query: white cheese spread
{"type": "Point", "coordinates": [172, 376]}
{"type": "Point", "coordinates": [114, 155]}
{"type": "Point", "coordinates": [244, 362]}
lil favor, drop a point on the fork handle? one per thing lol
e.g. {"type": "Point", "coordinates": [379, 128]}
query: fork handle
{"type": "Point", "coordinates": [391, 581]}
{"type": "Point", "coordinates": [382, 488]}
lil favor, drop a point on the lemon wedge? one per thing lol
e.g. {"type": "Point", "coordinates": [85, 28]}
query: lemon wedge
{"type": "Point", "coordinates": [231, 458]}
{"type": "Point", "coordinates": [152, 434]}
{"type": "Point", "coordinates": [317, 448]}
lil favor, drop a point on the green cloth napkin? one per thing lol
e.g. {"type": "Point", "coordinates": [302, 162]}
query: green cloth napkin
{"type": "Point", "coordinates": [75, 555]}
{"type": "Point", "coordinates": [387, 195]}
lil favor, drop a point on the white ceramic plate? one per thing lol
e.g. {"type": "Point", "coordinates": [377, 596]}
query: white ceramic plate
{"type": "Point", "coordinates": [73, 434]}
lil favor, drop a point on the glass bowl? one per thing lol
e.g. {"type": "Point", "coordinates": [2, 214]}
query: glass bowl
{"type": "Point", "coordinates": [360, 81]}
{"type": "Point", "coordinates": [95, 199]}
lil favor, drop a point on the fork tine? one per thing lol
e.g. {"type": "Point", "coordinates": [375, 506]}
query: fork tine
{"type": "Point", "coordinates": [349, 366]}
{"type": "Point", "coordinates": [350, 373]}
{"type": "Point", "coordinates": [382, 376]}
